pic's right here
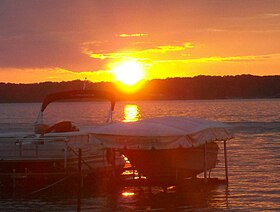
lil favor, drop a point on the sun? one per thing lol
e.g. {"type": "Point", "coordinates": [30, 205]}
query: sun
{"type": "Point", "coordinates": [129, 72]}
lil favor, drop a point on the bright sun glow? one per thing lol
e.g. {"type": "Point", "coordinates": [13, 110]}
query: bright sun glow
{"type": "Point", "coordinates": [129, 72]}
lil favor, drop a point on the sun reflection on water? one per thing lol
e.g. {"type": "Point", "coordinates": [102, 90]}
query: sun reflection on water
{"type": "Point", "coordinates": [128, 193]}
{"type": "Point", "coordinates": [131, 113]}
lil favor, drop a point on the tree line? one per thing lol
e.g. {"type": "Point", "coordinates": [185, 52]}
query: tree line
{"type": "Point", "coordinates": [199, 87]}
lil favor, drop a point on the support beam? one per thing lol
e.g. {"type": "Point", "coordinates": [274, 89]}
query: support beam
{"type": "Point", "coordinates": [14, 180]}
{"type": "Point", "coordinates": [114, 163]}
{"type": "Point", "coordinates": [226, 164]}
{"type": "Point", "coordinates": [79, 181]}
{"type": "Point", "coordinates": [205, 162]}
{"type": "Point", "coordinates": [65, 155]}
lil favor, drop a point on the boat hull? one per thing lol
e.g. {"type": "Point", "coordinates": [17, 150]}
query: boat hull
{"type": "Point", "coordinates": [33, 162]}
{"type": "Point", "coordinates": [173, 164]}
{"type": "Point", "coordinates": [18, 176]}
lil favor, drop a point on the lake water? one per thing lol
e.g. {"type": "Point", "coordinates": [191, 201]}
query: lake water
{"type": "Point", "coordinates": [253, 156]}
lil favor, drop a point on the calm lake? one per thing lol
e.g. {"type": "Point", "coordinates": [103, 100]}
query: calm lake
{"type": "Point", "coordinates": [253, 156]}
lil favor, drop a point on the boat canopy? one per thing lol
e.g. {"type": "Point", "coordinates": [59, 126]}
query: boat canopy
{"type": "Point", "coordinates": [161, 133]}
{"type": "Point", "coordinates": [78, 94]}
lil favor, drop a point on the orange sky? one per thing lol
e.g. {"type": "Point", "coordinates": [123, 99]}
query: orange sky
{"type": "Point", "coordinates": [66, 40]}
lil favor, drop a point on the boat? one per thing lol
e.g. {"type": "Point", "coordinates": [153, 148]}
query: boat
{"type": "Point", "coordinates": [167, 148]}
{"type": "Point", "coordinates": [159, 148]}
{"type": "Point", "coordinates": [51, 153]}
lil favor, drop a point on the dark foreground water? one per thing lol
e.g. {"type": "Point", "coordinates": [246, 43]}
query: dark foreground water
{"type": "Point", "coordinates": [253, 156]}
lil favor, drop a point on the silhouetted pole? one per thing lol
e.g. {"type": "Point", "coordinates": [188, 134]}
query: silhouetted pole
{"type": "Point", "coordinates": [79, 180]}
{"type": "Point", "coordinates": [14, 180]}
{"type": "Point", "coordinates": [114, 164]}
{"type": "Point", "coordinates": [226, 164]}
{"type": "Point", "coordinates": [205, 163]}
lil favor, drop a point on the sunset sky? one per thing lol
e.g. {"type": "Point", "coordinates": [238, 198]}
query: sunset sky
{"type": "Point", "coordinates": [63, 40]}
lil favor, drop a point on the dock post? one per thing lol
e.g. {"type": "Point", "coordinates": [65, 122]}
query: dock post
{"type": "Point", "coordinates": [36, 148]}
{"type": "Point", "coordinates": [65, 155]}
{"type": "Point", "coordinates": [79, 180]}
{"type": "Point", "coordinates": [14, 180]}
{"type": "Point", "coordinates": [20, 148]}
{"type": "Point", "coordinates": [205, 162]}
{"type": "Point", "coordinates": [114, 163]}
{"type": "Point", "coordinates": [226, 164]}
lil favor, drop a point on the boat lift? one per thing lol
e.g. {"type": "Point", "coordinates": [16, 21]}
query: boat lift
{"type": "Point", "coordinates": [138, 179]}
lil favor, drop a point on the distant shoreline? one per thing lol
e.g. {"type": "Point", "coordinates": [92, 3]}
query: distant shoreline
{"type": "Point", "coordinates": [248, 99]}
{"type": "Point", "coordinates": [189, 88]}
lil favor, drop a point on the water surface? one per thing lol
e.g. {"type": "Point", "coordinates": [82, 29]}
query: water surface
{"type": "Point", "coordinates": [253, 155]}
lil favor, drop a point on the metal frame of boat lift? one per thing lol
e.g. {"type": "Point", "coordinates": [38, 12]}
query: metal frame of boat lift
{"type": "Point", "coordinates": [134, 182]}
{"type": "Point", "coordinates": [206, 180]}
{"type": "Point", "coordinates": [225, 160]}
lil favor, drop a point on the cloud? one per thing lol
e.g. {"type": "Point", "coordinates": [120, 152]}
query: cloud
{"type": "Point", "coordinates": [142, 53]}
{"type": "Point", "coordinates": [170, 48]}
{"type": "Point", "coordinates": [133, 35]}
{"type": "Point", "coordinates": [84, 36]}
{"type": "Point", "coordinates": [49, 34]}
{"type": "Point", "coordinates": [34, 75]}
{"type": "Point", "coordinates": [218, 59]}
{"type": "Point", "coordinates": [272, 15]}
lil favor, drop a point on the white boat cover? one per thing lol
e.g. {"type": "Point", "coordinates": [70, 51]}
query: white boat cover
{"type": "Point", "coordinates": [161, 133]}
